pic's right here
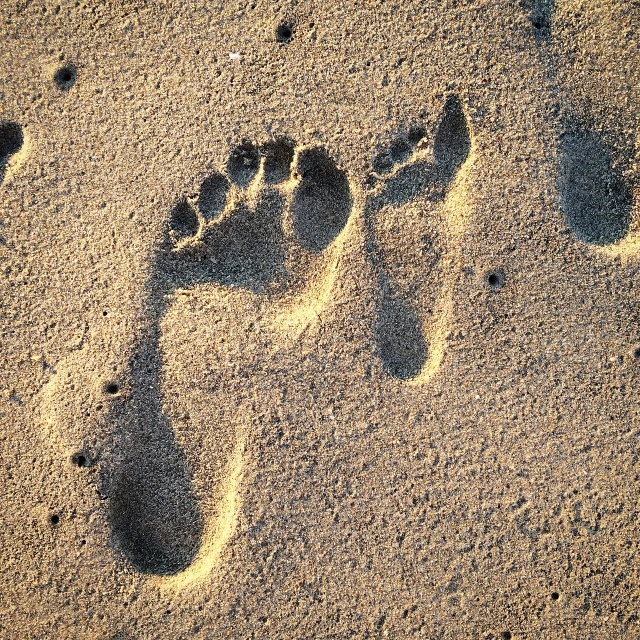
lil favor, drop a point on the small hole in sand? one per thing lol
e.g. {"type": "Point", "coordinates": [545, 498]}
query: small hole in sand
{"type": "Point", "coordinates": [284, 33]}
{"type": "Point", "coordinates": [65, 77]}
{"type": "Point", "coordinates": [54, 519]}
{"type": "Point", "coordinates": [555, 595]}
{"type": "Point", "coordinates": [506, 635]}
{"type": "Point", "coordinates": [112, 387]}
{"type": "Point", "coordinates": [80, 460]}
{"type": "Point", "coordinates": [104, 313]}
{"type": "Point", "coordinates": [83, 542]}
{"type": "Point", "coordinates": [495, 279]}
{"type": "Point", "coordinates": [636, 353]}
{"type": "Point", "coordinates": [537, 24]}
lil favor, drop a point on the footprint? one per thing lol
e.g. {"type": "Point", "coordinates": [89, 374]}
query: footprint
{"type": "Point", "coordinates": [594, 198]}
{"type": "Point", "coordinates": [410, 244]}
{"type": "Point", "coordinates": [11, 141]}
{"type": "Point", "coordinates": [253, 228]}
{"type": "Point", "coordinates": [594, 159]}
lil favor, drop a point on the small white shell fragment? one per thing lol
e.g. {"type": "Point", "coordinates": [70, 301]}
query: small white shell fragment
{"type": "Point", "coordinates": [234, 56]}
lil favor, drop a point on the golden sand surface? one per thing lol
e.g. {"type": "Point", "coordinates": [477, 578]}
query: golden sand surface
{"type": "Point", "coordinates": [319, 319]}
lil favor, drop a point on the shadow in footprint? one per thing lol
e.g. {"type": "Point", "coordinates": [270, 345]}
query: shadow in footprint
{"type": "Point", "coordinates": [400, 341]}
{"type": "Point", "coordinates": [412, 181]}
{"type": "Point", "coordinates": [11, 141]}
{"type": "Point", "coordinates": [278, 156]}
{"type": "Point", "coordinates": [184, 221]}
{"type": "Point", "coordinates": [243, 163]}
{"type": "Point", "coordinates": [212, 198]}
{"type": "Point", "coordinates": [154, 513]}
{"type": "Point", "coordinates": [322, 202]}
{"type": "Point", "coordinates": [244, 249]}
{"type": "Point", "coordinates": [452, 142]}
{"type": "Point", "coordinates": [247, 249]}
{"type": "Point", "coordinates": [594, 198]}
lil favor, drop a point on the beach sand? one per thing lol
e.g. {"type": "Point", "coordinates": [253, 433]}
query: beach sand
{"type": "Point", "coordinates": [320, 319]}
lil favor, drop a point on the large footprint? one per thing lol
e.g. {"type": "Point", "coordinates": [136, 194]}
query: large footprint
{"type": "Point", "coordinates": [261, 227]}
{"type": "Point", "coordinates": [415, 268]}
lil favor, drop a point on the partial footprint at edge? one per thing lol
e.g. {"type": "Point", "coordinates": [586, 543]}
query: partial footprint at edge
{"type": "Point", "coordinates": [409, 241]}
{"type": "Point", "coordinates": [11, 141]}
{"type": "Point", "coordinates": [238, 232]}
{"type": "Point", "coordinates": [595, 200]}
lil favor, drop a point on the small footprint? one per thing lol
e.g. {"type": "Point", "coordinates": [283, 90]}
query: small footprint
{"type": "Point", "coordinates": [11, 141]}
{"type": "Point", "coordinates": [412, 266]}
{"type": "Point", "coordinates": [274, 210]}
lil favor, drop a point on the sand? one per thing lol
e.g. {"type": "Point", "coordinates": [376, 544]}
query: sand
{"type": "Point", "coordinates": [320, 320]}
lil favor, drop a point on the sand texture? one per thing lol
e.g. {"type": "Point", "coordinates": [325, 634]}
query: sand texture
{"type": "Point", "coordinates": [319, 319]}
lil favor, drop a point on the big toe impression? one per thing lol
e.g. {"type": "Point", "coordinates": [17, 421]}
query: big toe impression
{"type": "Point", "coordinates": [322, 202]}
{"type": "Point", "coordinates": [452, 141]}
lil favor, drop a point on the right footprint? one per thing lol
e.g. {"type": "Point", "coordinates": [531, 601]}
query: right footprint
{"type": "Point", "coordinates": [259, 230]}
{"type": "Point", "coordinates": [411, 242]}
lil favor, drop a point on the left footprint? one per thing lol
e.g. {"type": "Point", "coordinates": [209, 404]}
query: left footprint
{"type": "Point", "coordinates": [410, 244]}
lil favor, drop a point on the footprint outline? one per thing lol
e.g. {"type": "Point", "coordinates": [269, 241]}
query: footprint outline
{"type": "Point", "coordinates": [434, 175]}
{"type": "Point", "coordinates": [209, 233]}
